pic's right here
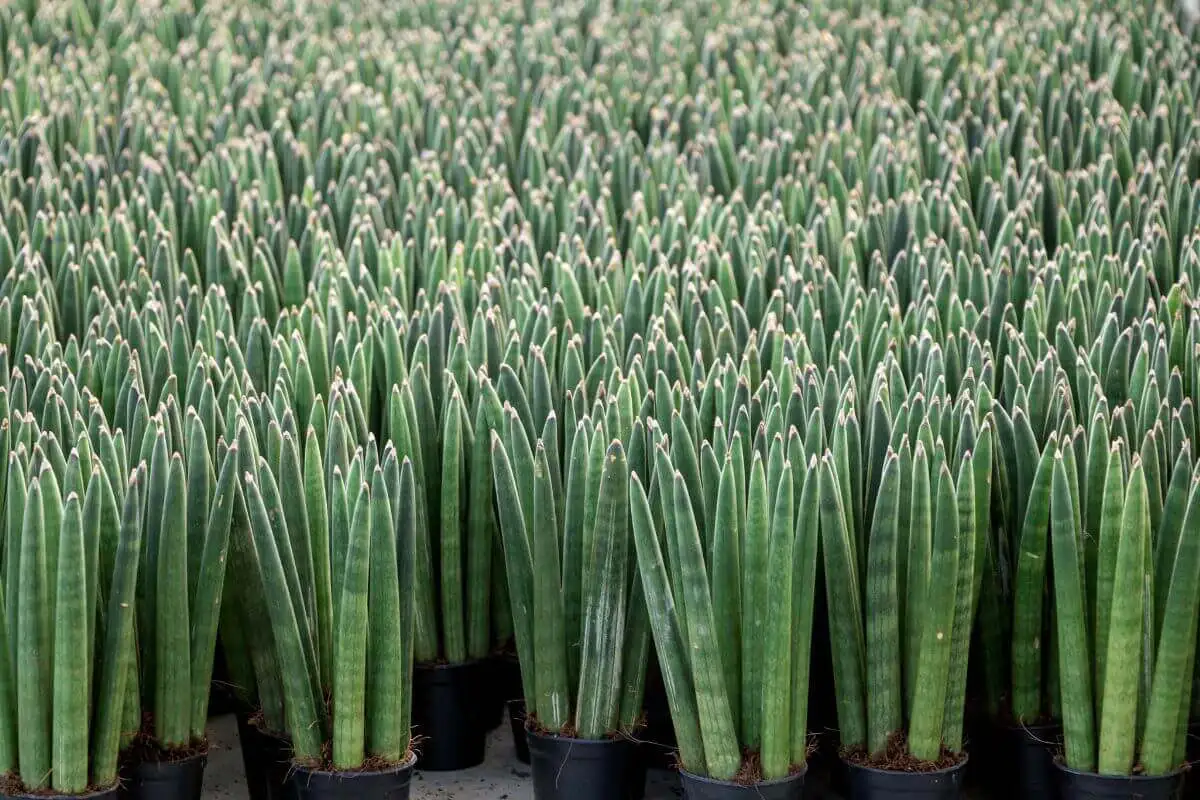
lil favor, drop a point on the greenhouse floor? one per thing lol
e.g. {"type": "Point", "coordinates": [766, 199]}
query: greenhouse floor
{"type": "Point", "coordinates": [500, 777]}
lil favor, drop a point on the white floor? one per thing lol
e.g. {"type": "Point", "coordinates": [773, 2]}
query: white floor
{"type": "Point", "coordinates": [500, 777]}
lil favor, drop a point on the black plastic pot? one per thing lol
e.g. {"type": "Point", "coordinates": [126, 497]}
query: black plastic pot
{"type": "Point", "coordinates": [503, 683]}
{"type": "Point", "coordinates": [168, 780]}
{"type": "Point", "coordinates": [656, 755]}
{"type": "Point", "coordinates": [657, 738]}
{"type": "Point", "coordinates": [697, 787]}
{"type": "Point", "coordinates": [516, 720]}
{"type": "Point", "coordinates": [446, 714]}
{"type": "Point", "coordinates": [511, 686]}
{"type": "Point", "coordinates": [267, 759]}
{"type": "Point", "coordinates": [992, 746]}
{"type": "Point", "coordinates": [99, 794]}
{"type": "Point", "coordinates": [1075, 785]}
{"type": "Point", "coordinates": [868, 783]}
{"type": "Point", "coordinates": [497, 689]}
{"type": "Point", "coordinates": [1031, 775]}
{"type": "Point", "coordinates": [582, 769]}
{"type": "Point", "coordinates": [491, 707]}
{"type": "Point", "coordinates": [389, 784]}
{"type": "Point", "coordinates": [635, 773]}
{"type": "Point", "coordinates": [1191, 781]}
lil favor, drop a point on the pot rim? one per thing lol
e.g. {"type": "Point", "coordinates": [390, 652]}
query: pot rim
{"type": "Point", "coordinates": [620, 738]}
{"type": "Point", "coordinates": [795, 776]}
{"type": "Point", "coordinates": [190, 758]}
{"type": "Point", "coordinates": [960, 764]}
{"type": "Point", "coordinates": [1120, 778]}
{"type": "Point", "coordinates": [409, 763]}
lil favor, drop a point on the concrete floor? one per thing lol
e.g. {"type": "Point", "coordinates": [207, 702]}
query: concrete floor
{"type": "Point", "coordinates": [500, 777]}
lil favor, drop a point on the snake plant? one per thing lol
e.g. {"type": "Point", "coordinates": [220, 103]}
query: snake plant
{"type": "Point", "coordinates": [1126, 687]}
{"type": "Point", "coordinates": [343, 705]}
{"type": "Point", "coordinates": [455, 519]}
{"type": "Point", "coordinates": [736, 682]}
{"type": "Point", "coordinates": [578, 612]}
{"type": "Point", "coordinates": [56, 656]}
{"type": "Point", "coordinates": [902, 675]}
{"type": "Point", "coordinates": [937, 263]}
{"type": "Point", "coordinates": [179, 592]}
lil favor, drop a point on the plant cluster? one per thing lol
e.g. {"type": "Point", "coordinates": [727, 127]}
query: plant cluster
{"type": "Point", "coordinates": [364, 334]}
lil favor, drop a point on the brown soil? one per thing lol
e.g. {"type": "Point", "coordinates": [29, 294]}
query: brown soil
{"type": "Point", "coordinates": [11, 786]}
{"type": "Point", "coordinates": [896, 758]}
{"type": "Point", "coordinates": [144, 749]}
{"type": "Point", "coordinates": [814, 742]}
{"type": "Point", "coordinates": [379, 764]}
{"type": "Point", "coordinates": [258, 721]}
{"type": "Point", "coordinates": [631, 732]}
{"type": "Point", "coordinates": [570, 731]}
{"type": "Point", "coordinates": [370, 764]}
{"type": "Point", "coordinates": [1140, 770]}
{"type": "Point", "coordinates": [750, 772]}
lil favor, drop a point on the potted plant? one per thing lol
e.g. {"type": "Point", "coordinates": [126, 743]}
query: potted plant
{"type": "Point", "coordinates": [1023, 716]}
{"type": "Point", "coordinates": [348, 722]}
{"type": "Point", "coordinates": [579, 618]}
{"type": "Point", "coordinates": [187, 524]}
{"type": "Point", "coordinates": [247, 635]}
{"type": "Point", "coordinates": [901, 681]}
{"type": "Point", "coordinates": [455, 702]}
{"type": "Point", "coordinates": [733, 639]}
{"type": "Point", "coordinates": [302, 488]}
{"type": "Point", "coordinates": [266, 749]}
{"type": "Point", "coordinates": [504, 674]}
{"type": "Point", "coordinates": [65, 665]}
{"type": "Point", "coordinates": [1125, 679]}
{"type": "Point", "coordinates": [1036, 710]}
{"type": "Point", "coordinates": [509, 693]}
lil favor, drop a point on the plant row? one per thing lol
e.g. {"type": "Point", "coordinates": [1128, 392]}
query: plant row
{"type": "Point", "coordinates": [775, 352]}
